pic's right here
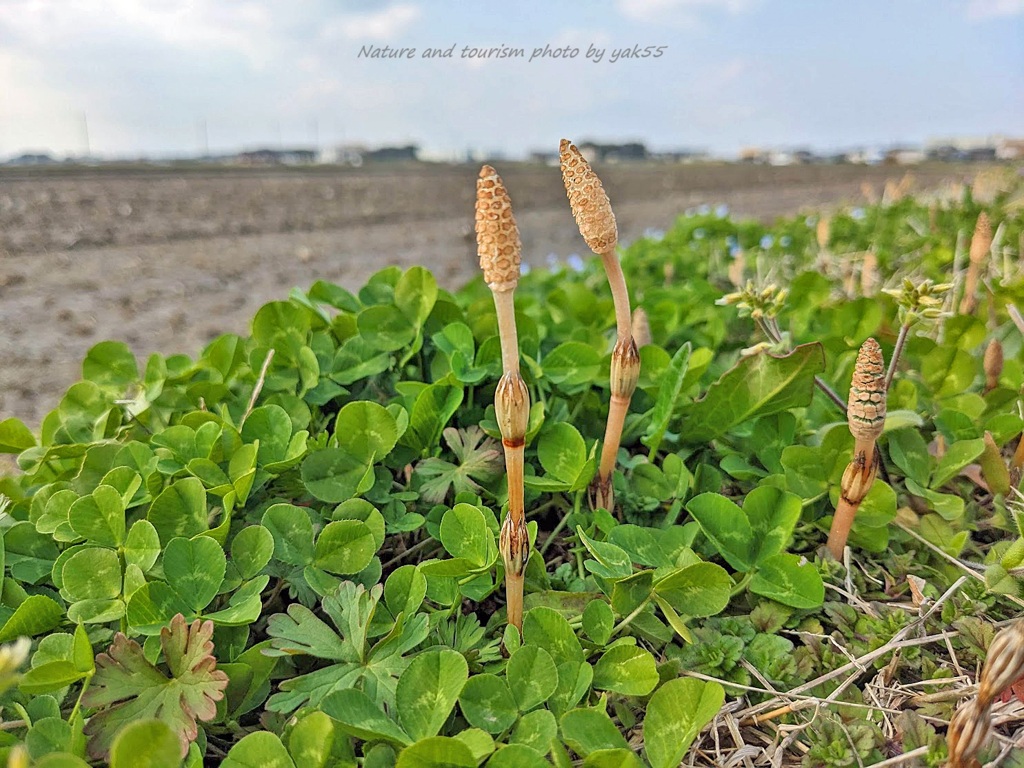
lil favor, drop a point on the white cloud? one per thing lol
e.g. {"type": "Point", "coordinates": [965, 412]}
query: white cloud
{"type": "Point", "coordinates": [383, 25]}
{"type": "Point", "coordinates": [662, 11]}
{"type": "Point", "coordinates": [979, 10]}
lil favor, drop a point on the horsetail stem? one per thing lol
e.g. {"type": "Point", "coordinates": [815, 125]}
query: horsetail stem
{"type": "Point", "coordinates": [981, 245]}
{"type": "Point", "coordinates": [500, 252]}
{"type": "Point", "coordinates": [596, 221]}
{"type": "Point", "coordinates": [865, 413]}
{"type": "Point", "coordinates": [970, 727]}
{"type": "Point", "coordinates": [993, 363]}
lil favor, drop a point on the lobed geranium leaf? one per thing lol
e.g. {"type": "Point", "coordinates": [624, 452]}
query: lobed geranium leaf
{"type": "Point", "coordinates": [127, 687]}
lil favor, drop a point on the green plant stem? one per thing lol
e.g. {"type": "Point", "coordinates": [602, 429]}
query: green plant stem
{"type": "Point", "coordinates": [560, 525]}
{"type": "Point", "coordinates": [897, 351]}
{"type": "Point", "coordinates": [78, 702]}
{"type": "Point", "coordinates": [633, 614]}
{"type": "Point", "coordinates": [741, 584]}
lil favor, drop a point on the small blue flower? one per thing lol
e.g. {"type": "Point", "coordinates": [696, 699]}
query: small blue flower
{"type": "Point", "coordinates": [785, 241]}
{"type": "Point", "coordinates": [553, 264]}
{"type": "Point", "coordinates": [857, 213]}
{"type": "Point", "coordinates": [652, 233]}
{"type": "Point", "coordinates": [524, 268]}
{"type": "Point", "coordinates": [704, 209]}
{"type": "Point", "coordinates": [722, 211]}
{"type": "Point", "coordinates": [698, 234]}
{"type": "Point", "coordinates": [767, 241]}
{"type": "Point", "coordinates": [575, 262]}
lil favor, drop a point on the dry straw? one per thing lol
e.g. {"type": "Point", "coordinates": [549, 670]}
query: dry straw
{"type": "Point", "coordinates": [993, 363]}
{"type": "Point", "coordinates": [865, 413]}
{"type": "Point", "coordinates": [596, 221]}
{"type": "Point", "coordinates": [970, 727]}
{"type": "Point", "coordinates": [500, 250]}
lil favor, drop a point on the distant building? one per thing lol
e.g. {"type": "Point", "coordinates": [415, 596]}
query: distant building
{"type": "Point", "coordinates": [276, 157]}
{"type": "Point", "coordinates": [410, 152]}
{"type": "Point", "coordinates": [1010, 149]}
{"type": "Point", "coordinates": [904, 156]}
{"type": "Point", "coordinates": [613, 153]}
{"type": "Point", "coordinates": [32, 158]}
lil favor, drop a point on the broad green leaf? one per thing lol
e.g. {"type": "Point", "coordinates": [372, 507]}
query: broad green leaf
{"type": "Point", "coordinates": [701, 589]}
{"type": "Point", "coordinates": [532, 676]}
{"type": "Point", "coordinates": [436, 752]}
{"type": "Point", "coordinates": [15, 437]}
{"type": "Point", "coordinates": [195, 569]}
{"type": "Point", "coordinates": [675, 715]}
{"type": "Point", "coordinates": [428, 689]}
{"type": "Point", "coordinates": [464, 534]}
{"type": "Point", "coordinates": [910, 453]}
{"type": "Point", "coordinates": [110, 364]}
{"type": "Point", "coordinates": [562, 452]}
{"type": "Point", "coordinates": [586, 730]}
{"type": "Point", "coordinates": [335, 475]}
{"type": "Point", "coordinates": [726, 527]}
{"type": "Point", "coordinates": [358, 716]}
{"type": "Point", "coordinates": [571, 366]}
{"type": "Point", "coordinates": [146, 744]}
{"type": "Point", "coordinates": [385, 328]}
{"type": "Point", "coordinates": [261, 749]}
{"type": "Point", "coordinates": [536, 729]}
{"type": "Point", "coordinates": [626, 669]}
{"type": "Point", "coordinates": [344, 547]}
{"type": "Point", "coordinates": [668, 395]}
{"type": "Point", "coordinates": [758, 385]}
{"type": "Point", "coordinates": [415, 294]}
{"type": "Point", "coordinates": [311, 740]}
{"type": "Point", "coordinates": [957, 456]}
{"type": "Point", "coordinates": [431, 411]}
{"type": "Point", "coordinates": [789, 581]}
{"type": "Point", "coordinates": [613, 758]}
{"type": "Point", "coordinates": [598, 620]}
{"type": "Point", "coordinates": [517, 756]}
{"type": "Point", "coordinates": [404, 590]}
{"type": "Point", "coordinates": [251, 550]}
{"type": "Point", "coordinates": [487, 703]}
{"type": "Point", "coordinates": [292, 532]}
{"type": "Point", "coordinates": [180, 510]}
{"type": "Point", "coordinates": [548, 629]}
{"type": "Point", "coordinates": [773, 515]}
{"type": "Point", "coordinates": [366, 430]}
{"type": "Point", "coordinates": [99, 517]}
{"type": "Point", "coordinates": [92, 573]}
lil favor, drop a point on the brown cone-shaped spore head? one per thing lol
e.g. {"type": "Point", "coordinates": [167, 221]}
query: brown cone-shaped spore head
{"type": "Point", "coordinates": [497, 236]}
{"type": "Point", "coordinates": [589, 202]}
{"type": "Point", "coordinates": [981, 241]}
{"type": "Point", "coordinates": [866, 407]}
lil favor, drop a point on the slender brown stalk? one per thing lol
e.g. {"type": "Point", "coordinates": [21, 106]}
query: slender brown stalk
{"type": "Point", "coordinates": [596, 221]}
{"type": "Point", "coordinates": [500, 251]}
{"type": "Point", "coordinates": [865, 413]}
{"type": "Point", "coordinates": [981, 245]}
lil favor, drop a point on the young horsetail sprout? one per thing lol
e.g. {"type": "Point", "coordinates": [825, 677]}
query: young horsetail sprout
{"type": "Point", "coordinates": [972, 723]}
{"type": "Point", "coordinates": [596, 221]}
{"type": "Point", "coordinates": [981, 246]}
{"type": "Point", "coordinates": [865, 414]}
{"type": "Point", "coordinates": [499, 249]}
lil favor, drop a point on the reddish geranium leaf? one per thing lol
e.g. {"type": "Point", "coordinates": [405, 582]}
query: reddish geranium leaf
{"type": "Point", "coordinates": [127, 687]}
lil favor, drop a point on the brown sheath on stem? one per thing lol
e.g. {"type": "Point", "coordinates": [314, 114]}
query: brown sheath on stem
{"type": "Point", "coordinates": [865, 412]}
{"type": "Point", "coordinates": [499, 249]}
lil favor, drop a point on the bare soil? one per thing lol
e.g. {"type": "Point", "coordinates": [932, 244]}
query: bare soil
{"type": "Point", "coordinates": [168, 259]}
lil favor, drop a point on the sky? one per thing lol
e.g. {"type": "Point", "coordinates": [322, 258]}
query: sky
{"type": "Point", "coordinates": [175, 77]}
